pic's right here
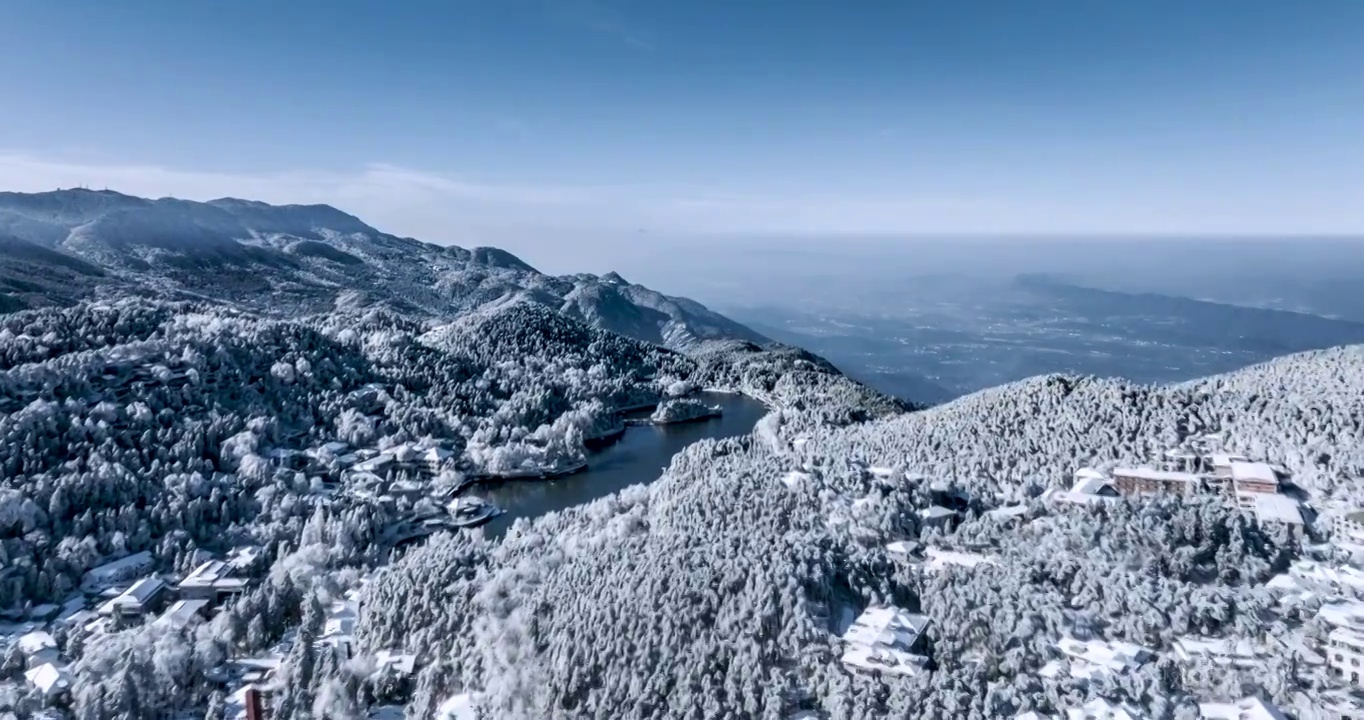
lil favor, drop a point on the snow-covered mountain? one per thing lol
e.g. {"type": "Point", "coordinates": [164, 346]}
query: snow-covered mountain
{"type": "Point", "coordinates": [754, 556]}
{"type": "Point", "coordinates": [302, 259]}
{"type": "Point", "coordinates": [252, 424]}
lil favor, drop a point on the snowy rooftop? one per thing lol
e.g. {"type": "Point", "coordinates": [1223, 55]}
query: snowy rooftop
{"type": "Point", "coordinates": [935, 512]}
{"type": "Point", "coordinates": [458, 707]}
{"type": "Point", "coordinates": [1078, 498]}
{"type": "Point", "coordinates": [881, 638]}
{"type": "Point", "coordinates": [1277, 508]}
{"type": "Point", "coordinates": [139, 594]}
{"type": "Point", "coordinates": [182, 612]}
{"type": "Point", "coordinates": [938, 559]}
{"type": "Point", "coordinates": [901, 547]}
{"type": "Point", "coordinates": [49, 678]}
{"type": "Point", "coordinates": [1250, 708]}
{"type": "Point", "coordinates": [437, 455]}
{"type": "Point", "coordinates": [1253, 472]}
{"type": "Point", "coordinates": [1224, 651]}
{"type": "Point", "coordinates": [374, 464]}
{"type": "Point", "coordinates": [401, 663]}
{"type": "Point", "coordinates": [1088, 484]}
{"type": "Point", "coordinates": [119, 569]}
{"type": "Point", "coordinates": [243, 555]}
{"type": "Point", "coordinates": [1348, 637]}
{"type": "Point", "coordinates": [1313, 571]}
{"type": "Point", "coordinates": [1225, 460]}
{"type": "Point", "coordinates": [871, 625]}
{"type": "Point", "coordinates": [36, 642]}
{"type": "Point", "coordinates": [885, 660]}
{"type": "Point", "coordinates": [211, 574]}
{"type": "Point", "coordinates": [1100, 709]}
{"type": "Point", "coordinates": [1347, 614]}
{"type": "Point", "coordinates": [1007, 512]}
{"type": "Point", "coordinates": [1157, 475]}
{"type": "Point", "coordinates": [1112, 656]}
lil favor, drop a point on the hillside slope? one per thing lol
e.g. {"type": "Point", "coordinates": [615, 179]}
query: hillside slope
{"type": "Point", "coordinates": [726, 579]}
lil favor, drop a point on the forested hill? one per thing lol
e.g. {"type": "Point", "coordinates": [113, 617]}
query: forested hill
{"type": "Point", "coordinates": [721, 589]}
{"type": "Point", "coordinates": [137, 425]}
{"type": "Point", "coordinates": [59, 247]}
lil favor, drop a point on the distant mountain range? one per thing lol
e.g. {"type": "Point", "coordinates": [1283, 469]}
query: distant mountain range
{"type": "Point", "coordinates": [932, 338]}
{"type": "Point", "coordinates": [59, 247]}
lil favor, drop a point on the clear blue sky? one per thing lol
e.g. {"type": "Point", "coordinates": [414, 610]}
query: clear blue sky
{"type": "Point", "coordinates": [465, 117]}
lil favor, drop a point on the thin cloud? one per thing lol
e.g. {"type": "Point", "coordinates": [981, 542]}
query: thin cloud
{"type": "Point", "coordinates": [446, 207]}
{"type": "Point", "coordinates": [402, 200]}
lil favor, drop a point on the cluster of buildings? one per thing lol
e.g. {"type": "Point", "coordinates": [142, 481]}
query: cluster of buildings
{"type": "Point", "coordinates": [1095, 659]}
{"type": "Point", "coordinates": [123, 592]}
{"type": "Point", "coordinates": [1250, 708]}
{"type": "Point", "coordinates": [121, 378]}
{"type": "Point", "coordinates": [1255, 487]}
{"type": "Point", "coordinates": [884, 640]}
{"type": "Point", "coordinates": [254, 679]}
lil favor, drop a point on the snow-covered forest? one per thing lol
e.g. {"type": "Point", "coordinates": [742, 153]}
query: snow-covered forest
{"type": "Point", "coordinates": [281, 463]}
{"type": "Point", "coordinates": [137, 426]}
{"type": "Point", "coordinates": [717, 590]}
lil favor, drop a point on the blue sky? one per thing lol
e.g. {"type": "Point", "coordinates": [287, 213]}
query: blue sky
{"type": "Point", "coordinates": [465, 119]}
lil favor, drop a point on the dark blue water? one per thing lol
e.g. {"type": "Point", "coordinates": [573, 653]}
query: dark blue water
{"type": "Point", "coordinates": [640, 456]}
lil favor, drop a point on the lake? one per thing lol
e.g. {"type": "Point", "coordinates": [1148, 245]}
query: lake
{"type": "Point", "coordinates": [639, 456]}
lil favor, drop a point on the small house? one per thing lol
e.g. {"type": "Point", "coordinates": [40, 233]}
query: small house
{"type": "Point", "coordinates": [139, 599]}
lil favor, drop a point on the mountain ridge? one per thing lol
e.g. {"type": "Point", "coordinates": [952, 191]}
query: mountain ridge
{"type": "Point", "coordinates": [304, 259]}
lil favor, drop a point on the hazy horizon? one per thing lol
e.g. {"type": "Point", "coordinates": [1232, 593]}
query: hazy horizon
{"type": "Point", "coordinates": [537, 122]}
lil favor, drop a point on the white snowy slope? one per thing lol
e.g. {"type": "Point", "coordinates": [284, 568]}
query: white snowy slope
{"type": "Point", "coordinates": [720, 588]}
{"type": "Point", "coordinates": [176, 433]}
{"type": "Point", "coordinates": [303, 259]}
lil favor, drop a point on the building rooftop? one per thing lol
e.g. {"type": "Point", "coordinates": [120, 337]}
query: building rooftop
{"type": "Point", "coordinates": [36, 642]}
{"type": "Point", "coordinates": [48, 678]}
{"type": "Point", "coordinates": [1253, 472]}
{"type": "Point", "coordinates": [874, 623]}
{"type": "Point", "coordinates": [374, 464]}
{"type": "Point", "coordinates": [1346, 614]}
{"type": "Point", "coordinates": [1250, 708]}
{"type": "Point", "coordinates": [458, 707]}
{"type": "Point", "coordinates": [1157, 475]}
{"type": "Point", "coordinates": [206, 573]}
{"type": "Point", "coordinates": [1100, 709]}
{"type": "Point", "coordinates": [937, 559]}
{"type": "Point", "coordinates": [883, 660]}
{"type": "Point", "coordinates": [182, 612]}
{"type": "Point", "coordinates": [119, 569]}
{"type": "Point", "coordinates": [145, 589]}
{"type": "Point", "coordinates": [1277, 508]}
{"type": "Point", "coordinates": [401, 663]}
{"type": "Point", "coordinates": [881, 639]}
{"type": "Point", "coordinates": [1007, 512]}
{"type": "Point", "coordinates": [1096, 657]}
{"type": "Point", "coordinates": [1348, 636]}
{"type": "Point", "coordinates": [136, 596]}
{"type": "Point", "coordinates": [1222, 651]}
{"type": "Point", "coordinates": [935, 512]}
